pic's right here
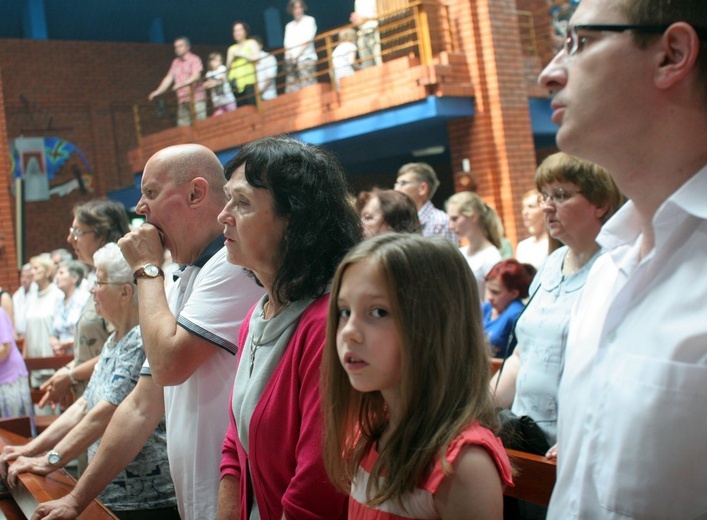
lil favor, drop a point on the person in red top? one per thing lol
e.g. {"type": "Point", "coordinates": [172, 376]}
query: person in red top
{"type": "Point", "coordinates": [408, 412]}
{"type": "Point", "coordinates": [284, 197]}
{"type": "Point", "coordinates": [185, 71]}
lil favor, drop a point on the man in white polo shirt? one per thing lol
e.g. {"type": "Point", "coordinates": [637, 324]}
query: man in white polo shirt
{"type": "Point", "coordinates": [190, 338]}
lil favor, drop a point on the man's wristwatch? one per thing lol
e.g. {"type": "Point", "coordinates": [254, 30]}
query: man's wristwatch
{"type": "Point", "coordinates": [148, 271]}
{"type": "Point", "coordinates": [53, 458]}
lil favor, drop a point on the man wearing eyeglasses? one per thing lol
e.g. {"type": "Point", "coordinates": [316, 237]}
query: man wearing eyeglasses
{"type": "Point", "coordinates": [419, 182]}
{"type": "Point", "coordinates": [630, 93]}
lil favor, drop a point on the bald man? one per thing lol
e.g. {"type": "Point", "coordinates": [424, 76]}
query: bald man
{"type": "Point", "coordinates": [190, 337]}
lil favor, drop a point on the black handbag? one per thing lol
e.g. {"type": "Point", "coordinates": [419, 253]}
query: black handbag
{"type": "Point", "coordinates": [521, 433]}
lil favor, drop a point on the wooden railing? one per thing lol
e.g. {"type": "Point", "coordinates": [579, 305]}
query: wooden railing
{"type": "Point", "coordinates": [534, 479]}
{"type": "Point", "coordinates": [421, 29]}
{"type": "Point", "coordinates": [31, 490]}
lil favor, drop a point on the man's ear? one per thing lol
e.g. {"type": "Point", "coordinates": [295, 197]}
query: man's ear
{"type": "Point", "coordinates": [198, 189]}
{"type": "Point", "coordinates": [424, 190]}
{"type": "Point", "coordinates": [679, 49]}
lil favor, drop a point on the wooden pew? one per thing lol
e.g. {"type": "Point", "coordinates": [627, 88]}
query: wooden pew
{"type": "Point", "coordinates": [42, 422]}
{"type": "Point", "coordinates": [20, 425]}
{"type": "Point", "coordinates": [32, 490]}
{"type": "Point", "coordinates": [535, 477]}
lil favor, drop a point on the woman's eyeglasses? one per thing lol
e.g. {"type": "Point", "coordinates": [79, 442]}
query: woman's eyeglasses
{"type": "Point", "coordinates": [76, 233]}
{"type": "Point", "coordinates": [557, 197]}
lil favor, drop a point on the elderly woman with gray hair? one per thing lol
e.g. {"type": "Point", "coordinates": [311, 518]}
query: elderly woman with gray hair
{"type": "Point", "coordinates": [144, 489]}
{"type": "Point", "coordinates": [68, 278]}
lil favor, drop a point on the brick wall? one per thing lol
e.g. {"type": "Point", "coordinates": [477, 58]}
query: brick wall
{"type": "Point", "coordinates": [540, 11]}
{"type": "Point", "coordinates": [8, 264]}
{"type": "Point", "coordinates": [82, 92]}
{"type": "Point", "coordinates": [498, 138]}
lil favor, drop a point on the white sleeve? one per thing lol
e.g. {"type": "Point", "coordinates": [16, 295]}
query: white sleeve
{"type": "Point", "coordinates": [223, 294]}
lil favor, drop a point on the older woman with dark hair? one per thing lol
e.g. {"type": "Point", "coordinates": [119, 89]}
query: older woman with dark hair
{"type": "Point", "coordinates": [387, 210]}
{"type": "Point", "coordinates": [577, 197]}
{"type": "Point", "coordinates": [288, 222]}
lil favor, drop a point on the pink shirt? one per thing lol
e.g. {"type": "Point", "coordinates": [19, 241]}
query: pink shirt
{"type": "Point", "coordinates": [13, 366]}
{"type": "Point", "coordinates": [181, 69]}
{"type": "Point", "coordinates": [419, 504]}
{"type": "Point", "coordinates": [284, 470]}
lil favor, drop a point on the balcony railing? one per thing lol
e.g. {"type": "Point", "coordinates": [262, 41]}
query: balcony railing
{"type": "Point", "coordinates": [421, 29]}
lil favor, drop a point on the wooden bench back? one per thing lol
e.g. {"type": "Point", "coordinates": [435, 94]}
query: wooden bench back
{"type": "Point", "coordinates": [45, 363]}
{"type": "Point", "coordinates": [33, 489]}
{"type": "Point", "coordinates": [535, 477]}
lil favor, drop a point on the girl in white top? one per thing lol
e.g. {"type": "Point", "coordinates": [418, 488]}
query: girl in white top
{"type": "Point", "coordinates": [222, 97]}
{"type": "Point", "coordinates": [471, 219]}
{"type": "Point", "coordinates": [344, 55]}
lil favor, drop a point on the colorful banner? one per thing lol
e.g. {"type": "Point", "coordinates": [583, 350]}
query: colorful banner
{"type": "Point", "coordinates": [37, 160]}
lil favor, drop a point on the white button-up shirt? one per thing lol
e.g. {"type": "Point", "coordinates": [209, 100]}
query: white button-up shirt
{"type": "Point", "coordinates": [632, 430]}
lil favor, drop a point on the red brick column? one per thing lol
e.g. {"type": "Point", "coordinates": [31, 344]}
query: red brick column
{"type": "Point", "coordinates": [498, 139]}
{"type": "Point", "coordinates": [8, 262]}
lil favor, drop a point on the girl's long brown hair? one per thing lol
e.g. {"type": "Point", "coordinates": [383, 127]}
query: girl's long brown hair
{"type": "Point", "coordinates": [445, 371]}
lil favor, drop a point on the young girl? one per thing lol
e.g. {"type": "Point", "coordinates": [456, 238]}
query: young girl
{"type": "Point", "coordinates": [222, 97]}
{"type": "Point", "coordinates": [476, 222]}
{"type": "Point", "coordinates": [506, 285]}
{"type": "Point", "coordinates": [406, 398]}
{"type": "Point", "coordinates": [344, 55]}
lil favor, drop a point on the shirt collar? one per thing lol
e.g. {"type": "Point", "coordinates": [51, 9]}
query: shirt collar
{"type": "Point", "coordinates": [620, 234]}
{"type": "Point", "coordinates": [204, 257]}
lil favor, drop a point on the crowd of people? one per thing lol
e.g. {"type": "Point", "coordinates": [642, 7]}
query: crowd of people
{"type": "Point", "coordinates": [327, 356]}
{"type": "Point", "coordinates": [249, 73]}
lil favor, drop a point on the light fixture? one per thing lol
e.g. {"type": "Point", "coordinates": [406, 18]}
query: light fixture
{"type": "Point", "coordinates": [430, 150]}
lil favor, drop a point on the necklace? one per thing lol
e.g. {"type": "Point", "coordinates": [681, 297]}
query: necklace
{"type": "Point", "coordinates": [254, 346]}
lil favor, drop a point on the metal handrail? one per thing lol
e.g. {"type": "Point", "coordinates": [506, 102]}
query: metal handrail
{"type": "Point", "coordinates": [404, 31]}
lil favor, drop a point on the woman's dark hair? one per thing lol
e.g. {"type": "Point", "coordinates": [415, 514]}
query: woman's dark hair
{"type": "Point", "coordinates": [246, 27]}
{"type": "Point", "coordinates": [399, 210]}
{"type": "Point", "coordinates": [309, 189]}
{"type": "Point", "coordinates": [106, 218]}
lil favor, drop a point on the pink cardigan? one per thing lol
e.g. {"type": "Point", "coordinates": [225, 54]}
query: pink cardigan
{"type": "Point", "coordinates": [286, 468]}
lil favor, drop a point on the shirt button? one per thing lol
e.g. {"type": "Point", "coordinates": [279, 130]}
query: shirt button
{"type": "Point", "coordinates": [611, 336]}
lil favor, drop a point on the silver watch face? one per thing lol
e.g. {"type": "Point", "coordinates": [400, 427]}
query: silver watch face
{"type": "Point", "coordinates": [152, 270]}
{"type": "Point", "coordinates": [53, 457]}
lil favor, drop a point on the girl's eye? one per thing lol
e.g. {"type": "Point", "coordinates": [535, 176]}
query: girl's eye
{"type": "Point", "coordinates": [344, 313]}
{"type": "Point", "coordinates": [379, 313]}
